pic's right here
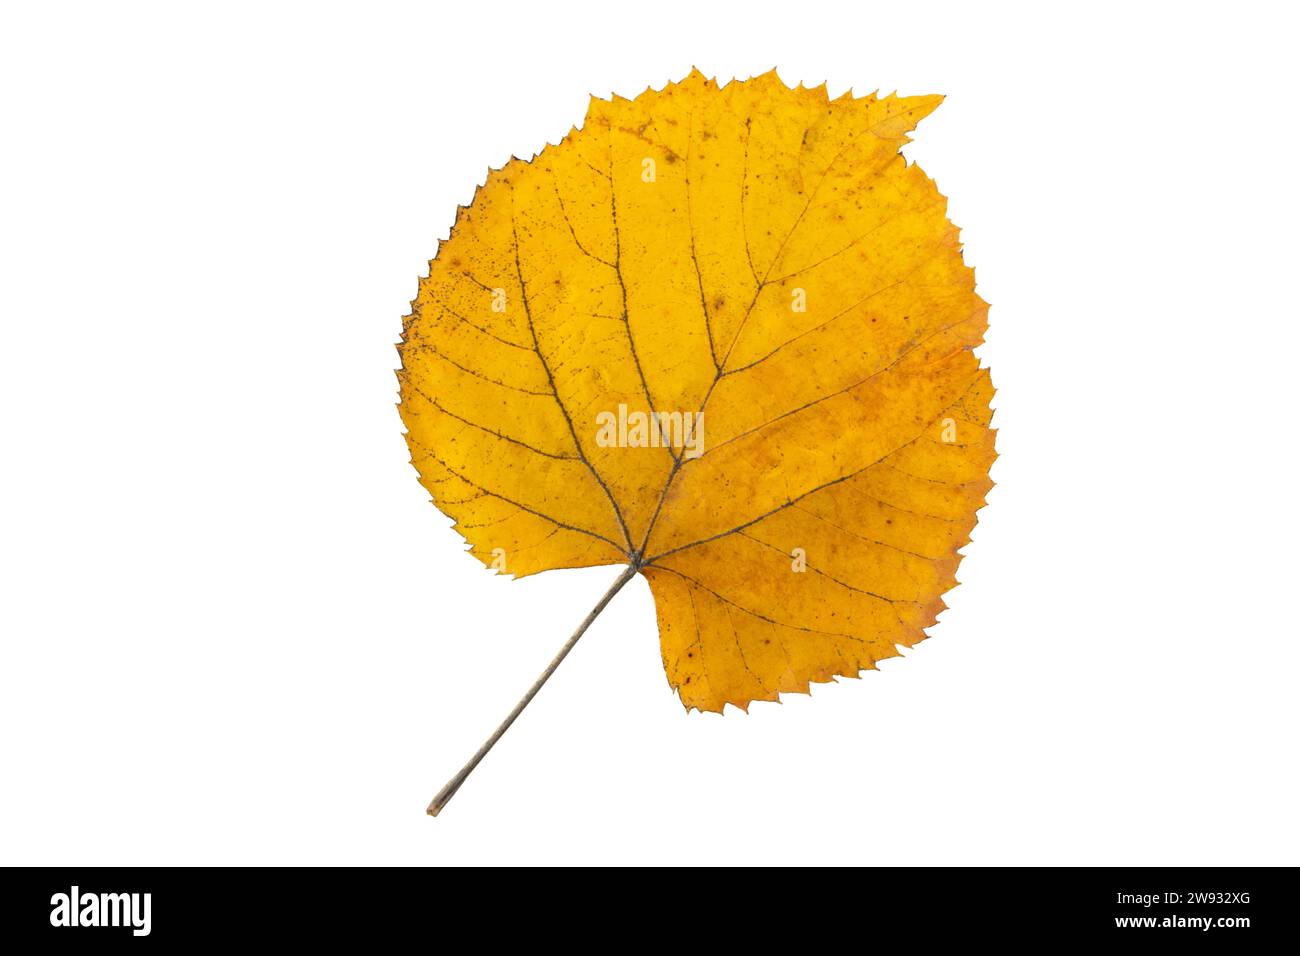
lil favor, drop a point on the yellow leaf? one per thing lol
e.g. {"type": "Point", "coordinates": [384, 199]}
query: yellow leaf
{"type": "Point", "coordinates": [760, 263]}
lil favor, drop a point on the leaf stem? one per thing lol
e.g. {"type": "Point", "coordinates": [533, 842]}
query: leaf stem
{"type": "Point", "coordinates": [452, 785]}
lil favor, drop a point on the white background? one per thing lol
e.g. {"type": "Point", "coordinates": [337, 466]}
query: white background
{"type": "Point", "coordinates": [235, 631]}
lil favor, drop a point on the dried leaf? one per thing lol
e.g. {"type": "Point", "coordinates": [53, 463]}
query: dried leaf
{"type": "Point", "coordinates": [764, 257]}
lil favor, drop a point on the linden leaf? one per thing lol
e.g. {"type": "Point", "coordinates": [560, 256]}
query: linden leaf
{"type": "Point", "coordinates": [722, 336]}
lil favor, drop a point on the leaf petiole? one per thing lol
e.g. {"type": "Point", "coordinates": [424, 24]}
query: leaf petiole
{"type": "Point", "coordinates": [449, 790]}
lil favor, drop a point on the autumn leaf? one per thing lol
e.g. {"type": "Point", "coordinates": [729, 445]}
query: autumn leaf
{"type": "Point", "coordinates": [721, 336]}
